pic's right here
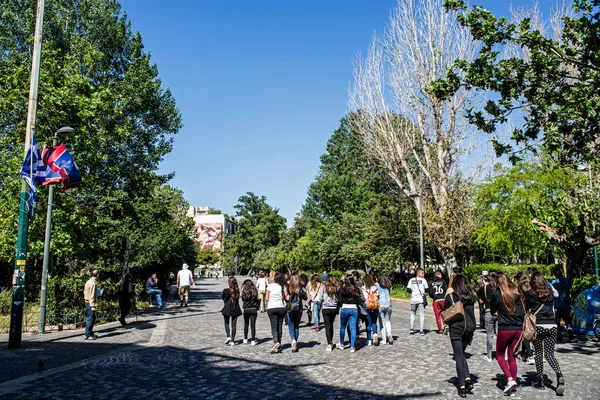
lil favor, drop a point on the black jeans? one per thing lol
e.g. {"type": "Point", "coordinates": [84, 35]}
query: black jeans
{"type": "Point", "coordinates": [276, 316]}
{"type": "Point", "coordinates": [233, 326]}
{"type": "Point", "coordinates": [462, 368]}
{"type": "Point", "coordinates": [250, 315]}
{"type": "Point", "coordinates": [526, 351]}
{"type": "Point", "coordinates": [329, 317]}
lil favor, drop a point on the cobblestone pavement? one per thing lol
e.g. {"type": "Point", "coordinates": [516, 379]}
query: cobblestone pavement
{"type": "Point", "coordinates": [180, 353]}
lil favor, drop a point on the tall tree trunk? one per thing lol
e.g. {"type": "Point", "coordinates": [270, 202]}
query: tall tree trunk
{"type": "Point", "coordinates": [449, 259]}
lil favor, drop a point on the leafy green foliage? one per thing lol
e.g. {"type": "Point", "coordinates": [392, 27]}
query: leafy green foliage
{"type": "Point", "coordinates": [97, 78]}
{"type": "Point", "coordinates": [259, 227]}
{"type": "Point", "coordinates": [556, 88]}
{"type": "Point", "coordinates": [473, 272]}
{"type": "Point", "coordinates": [207, 256]}
{"type": "Point", "coordinates": [582, 283]}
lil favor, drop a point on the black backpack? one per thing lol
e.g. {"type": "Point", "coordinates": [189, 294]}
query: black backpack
{"type": "Point", "coordinates": [295, 303]}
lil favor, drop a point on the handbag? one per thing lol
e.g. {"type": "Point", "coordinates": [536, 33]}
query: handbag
{"type": "Point", "coordinates": [422, 295]}
{"type": "Point", "coordinates": [454, 313]}
{"type": "Point", "coordinates": [528, 331]}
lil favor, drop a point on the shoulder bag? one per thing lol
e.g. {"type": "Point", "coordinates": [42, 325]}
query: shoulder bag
{"type": "Point", "coordinates": [454, 313]}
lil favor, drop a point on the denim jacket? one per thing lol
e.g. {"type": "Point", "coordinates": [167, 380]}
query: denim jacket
{"type": "Point", "coordinates": [384, 297]}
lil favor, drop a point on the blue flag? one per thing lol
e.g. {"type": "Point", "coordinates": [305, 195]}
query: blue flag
{"type": "Point", "coordinates": [33, 170]}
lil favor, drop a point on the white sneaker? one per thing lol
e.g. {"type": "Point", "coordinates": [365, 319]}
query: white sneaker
{"type": "Point", "coordinates": [329, 348]}
{"type": "Point", "coordinates": [232, 343]}
{"type": "Point", "coordinates": [486, 358]}
{"type": "Point", "coordinates": [370, 343]}
{"type": "Point", "coordinates": [530, 361]}
{"type": "Point", "coordinates": [245, 341]}
{"type": "Point", "coordinates": [339, 346]}
{"type": "Point", "coordinates": [509, 388]}
{"type": "Point", "coordinates": [253, 343]}
{"type": "Point", "coordinates": [228, 340]}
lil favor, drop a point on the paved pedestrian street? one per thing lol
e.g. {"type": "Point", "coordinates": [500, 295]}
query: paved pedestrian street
{"type": "Point", "coordinates": [179, 353]}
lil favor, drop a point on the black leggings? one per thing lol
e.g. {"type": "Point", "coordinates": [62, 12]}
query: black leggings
{"type": "Point", "coordinates": [276, 316]}
{"type": "Point", "coordinates": [544, 343]}
{"type": "Point", "coordinates": [250, 316]}
{"type": "Point", "coordinates": [329, 317]}
{"type": "Point", "coordinates": [233, 325]}
{"type": "Point", "coordinates": [462, 368]}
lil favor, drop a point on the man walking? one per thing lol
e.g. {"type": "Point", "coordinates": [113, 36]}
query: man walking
{"type": "Point", "coordinates": [153, 290]}
{"type": "Point", "coordinates": [90, 296]}
{"type": "Point", "coordinates": [124, 295]}
{"type": "Point", "coordinates": [184, 280]}
{"type": "Point", "coordinates": [417, 286]}
{"type": "Point", "coordinates": [562, 302]}
{"type": "Point", "coordinates": [437, 292]}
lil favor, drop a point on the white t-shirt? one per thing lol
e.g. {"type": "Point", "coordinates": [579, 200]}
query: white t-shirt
{"type": "Point", "coordinates": [275, 296]}
{"type": "Point", "coordinates": [261, 283]}
{"type": "Point", "coordinates": [419, 288]}
{"type": "Point", "coordinates": [185, 277]}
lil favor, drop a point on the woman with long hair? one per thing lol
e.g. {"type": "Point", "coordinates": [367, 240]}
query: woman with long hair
{"type": "Point", "coordinates": [461, 331]}
{"type": "Point", "coordinates": [315, 297]}
{"type": "Point", "coordinates": [370, 291]}
{"type": "Point", "coordinates": [231, 308]}
{"type": "Point", "coordinates": [385, 308]}
{"type": "Point", "coordinates": [276, 309]}
{"type": "Point", "coordinates": [293, 294]}
{"type": "Point", "coordinates": [348, 302]}
{"type": "Point", "coordinates": [507, 304]}
{"type": "Point", "coordinates": [330, 300]}
{"type": "Point", "coordinates": [523, 286]}
{"type": "Point", "coordinates": [540, 300]}
{"type": "Point", "coordinates": [251, 303]}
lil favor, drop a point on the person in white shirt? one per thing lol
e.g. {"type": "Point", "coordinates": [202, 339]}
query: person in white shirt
{"type": "Point", "coordinates": [261, 285]}
{"type": "Point", "coordinates": [184, 280]}
{"type": "Point", "coordinates": [417, 286]}
{"type": "Point", "coordinates": [276, 309]}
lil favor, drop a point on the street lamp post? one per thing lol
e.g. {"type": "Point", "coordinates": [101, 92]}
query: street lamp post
{"type": "Point", "coordinates": [64, 131]}
{"type": "Point", "coordinates": [417, 195]}
{"type": "Point", "coordinates": [588, 168]}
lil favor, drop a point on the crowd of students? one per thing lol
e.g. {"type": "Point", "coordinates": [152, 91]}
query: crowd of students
{"type": "Point", "coordinates": [504, 304]}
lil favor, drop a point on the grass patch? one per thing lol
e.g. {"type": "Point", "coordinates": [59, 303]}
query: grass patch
{"type": "Point", "coordinates": [399, 292]}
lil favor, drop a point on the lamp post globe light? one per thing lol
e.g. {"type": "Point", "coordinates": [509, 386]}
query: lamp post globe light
{"type": "Point", "coordinates": [417, 195]}
{"type": "Point", "coordinates": [65, 131]}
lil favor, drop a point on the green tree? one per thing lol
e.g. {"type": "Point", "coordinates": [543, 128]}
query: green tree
{"type": "Point", "coordinates": [351, 216]}
{"type": "Point", "coordinates": [535, 204]}
{"type": "Point", "coordinates": [97, 78]}
{"type": "Point", "coordinates": [556, 88]}
{"type": "Point", "coordinates": [207, 256]}
{"type": "Point", "coordinates": [259, 227]}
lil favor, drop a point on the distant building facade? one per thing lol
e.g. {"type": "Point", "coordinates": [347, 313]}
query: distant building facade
{"type": "Point", "coordinates": [210, 229]}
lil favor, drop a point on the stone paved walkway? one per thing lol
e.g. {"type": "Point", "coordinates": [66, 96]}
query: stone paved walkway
{"type": "Point", "coordinates": [179, 353]}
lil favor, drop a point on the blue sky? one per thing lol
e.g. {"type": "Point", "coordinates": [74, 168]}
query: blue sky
{"type": "Point", "coordinates": [261, 86]}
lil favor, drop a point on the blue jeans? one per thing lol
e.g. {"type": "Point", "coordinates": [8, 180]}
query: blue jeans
{"type": "Point", "coordinates": [156, 293]}
{"type": "Point", "coordinates": [294, 324]}
{"type": "Point", "coordinates": [373, 316]}
{"type": "Point", "coordinates": [316, 312]}
{"type": "Point", "coordinates": [370, 322]}
{"type": "Point", "coordinates": [91, 318]}
{"type": "Point", "coordinates": [348, 317]}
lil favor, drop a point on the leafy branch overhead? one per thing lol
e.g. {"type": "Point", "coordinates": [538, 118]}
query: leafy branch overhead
{"type": "Point", "coordinates": [555, 88]}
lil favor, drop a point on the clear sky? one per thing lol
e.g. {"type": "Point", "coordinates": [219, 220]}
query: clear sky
{"type": "Point", "coordinates": [261, 85]}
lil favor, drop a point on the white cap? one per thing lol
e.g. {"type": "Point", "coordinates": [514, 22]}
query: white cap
{"type": "Point", "coordinates": [484, 273]}
{"type": "Point", "coordinates": [185, 266]}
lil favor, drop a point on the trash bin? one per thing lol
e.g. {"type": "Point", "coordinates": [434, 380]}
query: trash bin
{"type": "Point", "coordinates": [587, 305]}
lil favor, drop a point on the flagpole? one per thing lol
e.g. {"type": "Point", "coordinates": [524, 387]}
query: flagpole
{"type": "Point", "coordinates": [18, 280]}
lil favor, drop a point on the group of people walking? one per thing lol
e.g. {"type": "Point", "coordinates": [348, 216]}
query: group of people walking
{"type": "Point", "coordinates": [516, 311]}
{"type": "Point", "coordinates": [285, 296]}
{"type": "Point", "coordinates": [506, 304]}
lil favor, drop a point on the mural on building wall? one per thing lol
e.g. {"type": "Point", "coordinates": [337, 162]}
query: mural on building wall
{"type": "Point", "coordinates": [209, 235]}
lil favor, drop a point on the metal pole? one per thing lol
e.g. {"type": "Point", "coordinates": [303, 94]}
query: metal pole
{"type": "Point", "coordinates": [43, 293]}
{"type": "Point", "coordinates": [421, 231]}
{"type": "Point", "coordinates": [18, 281]}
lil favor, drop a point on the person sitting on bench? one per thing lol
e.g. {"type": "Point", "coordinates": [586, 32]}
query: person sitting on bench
{"type": "Point", "coordinates": [153, 290]}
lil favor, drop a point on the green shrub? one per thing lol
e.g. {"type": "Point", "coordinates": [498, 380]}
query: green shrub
{"type": "Point", "coordinates": [582, 283]}
{"type": "Point", "coordinates": [5, 301]}
{"type": "Point", "coordinates": [337, 274]}
{"type": "Point", "coordinates": [399, 292]}
{"type": "Point", "coordinates": [473, 272]}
